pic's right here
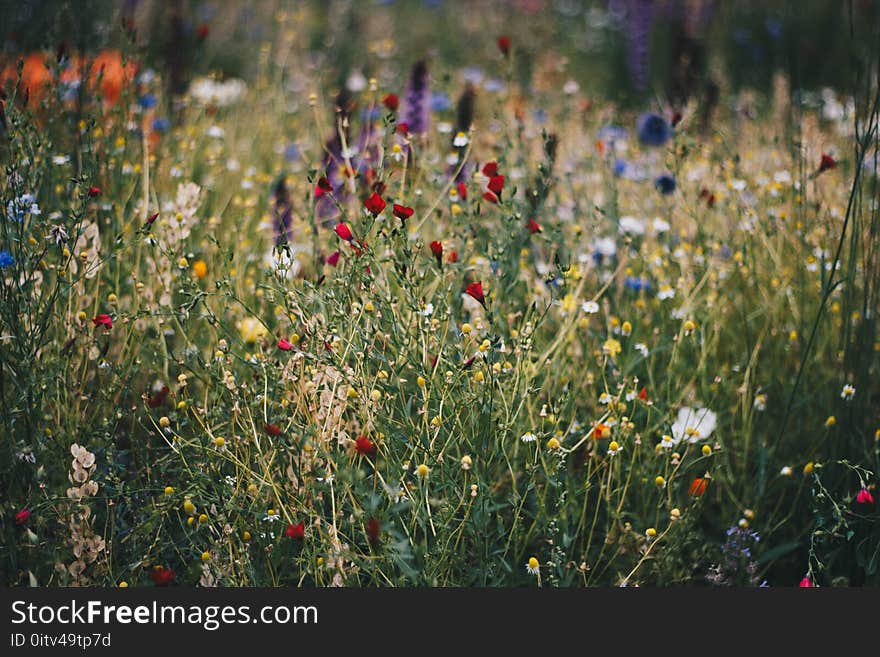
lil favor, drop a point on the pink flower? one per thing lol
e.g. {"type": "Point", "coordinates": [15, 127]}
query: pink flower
{"type": "Point", "coordinates": [22, 516]}
{"type": "Point", "coordinates": [284, 345]}
{"type": "Point", "coordinates": [806, 583]}
{"type": "Point", "coordinates": [865, 497]}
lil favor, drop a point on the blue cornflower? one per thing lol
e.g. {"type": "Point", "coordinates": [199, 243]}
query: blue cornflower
{"type": "Point", "coordinates": [147, 101]}
{"type": "Point", "coordinates": [653, 129]}
{"type": "Point", "coordinates": [440, 102]}
{"type": "Point", "coordinates": [636, 283]}
{"type": "Point", "coordinates": [161, 124]}
{"type": "Point", "coordinates": [17, 208]}
{"type": "Point", "coordinates": [6, 259]}
{"type": "Point", "coordinates": [665, 183]}
{"type": "Point", "coordinates": [619, 167]}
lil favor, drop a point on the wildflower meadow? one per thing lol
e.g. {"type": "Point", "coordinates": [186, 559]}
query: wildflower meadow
{"type": "Point", "coordinates": [445, 294]}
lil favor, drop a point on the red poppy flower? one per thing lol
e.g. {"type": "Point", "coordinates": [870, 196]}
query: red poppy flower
{"type": "Point", "coordinates": [391, 102]}
{"type": "Point", "coordinates": [490, 169]}
{"type": "Point", "coordinates": [273, 429]}
{"type": "Point", "coordinates": [323, 186]}
{"type": "Point", "coordinates": [103, 320]}
{"type": "Point", "coordinates": [533, 226]}
{"type": "Point", "coordinates": [364, 446]}
{"type": "Point", "coordinates": [496, 184]}
{"type": "Point", "coordinates": [490, 197]}
{"type": "Point", "coordinates": [162, 576]}
{"type": "Point", "coordinates": [504, 45]}
{"type": "Point", "coordinates": [697, 487]}
{"type": "Point", "coordinates": [159, 398]}
{"type": "Point", "coordinates": [297, 532]}
{"type": "Point", "coordinates": [333, 259]}
{"type": "Point", "coordinates": [374, 527]}
{"type": "Point", "coordinates": [94, 191]}
{"type": "Point", "coordinates": [865, 497]}
{"type": "Point", "coordinates": [402, 212]}
{"type": "Point", "coordinates": [827, 162]}
{"type": "Point", "coordinates": [453, 256]}
{"type": "Point", "coordinates": [403, 128]}
{"type": "Point", "coordinates": [437, 250]}
{"type": "Point", "coordinates": [22, 516]}
{"type": "Point", "coordinates": [806, 583]}
{"type": "Point", "coordinates": [344, 231]}
{"type": "Point", "coordinates": [284, 345]}
{"type": "Point", "coordinates": [462, 191]}
{"type": "Point", "coordinates": [643, 393]}
{"type": "Point", "coordinates": [475, 290]}
{"type": "Point", "coordinates": [375, 204]}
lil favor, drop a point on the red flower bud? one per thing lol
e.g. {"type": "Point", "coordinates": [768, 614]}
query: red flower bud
{"type": "Point", "coordinates": [504, 45]}
{"type": "Point", "coordinates": [437, 250]}
{"type": "Point", "coordinates": [323, 186]}
{"type": "Point", "coordinates": [475, 290]}
{"type": "Point", "coordinates": [273, 429]}
{"type": "Point", "coordinates": [533, 226]}
{"type": "Point", "coordinates": [22, 516]}
{"type": "Point", "coordinates": [391, 102]}
{"type": "Point", "coordinates": [284, 345]}
{"type": "Point", "coordinates": [333, 259]}
{"type": "Point", "coordinates": [490, 169]}
{"type": "Point", "coordinates": [162, 576]}
{"type": "Point", "coordinates": [462, 191]}
{"type": "Point", "coordinates": [374, 527]}
{"type": "Point", "coordinates": [103, 320]}
{"type": "Point", "coordinates": [402, 212]}
{"type": "Point", "coordinates": [827, 162]}
{"type": "Point", "coordinates": [296, 532]}
{"type": "Point", "coordinates": [344, 231]}
{"type": "Point", "coordinates": [364, 446]}
{"type": "Point", "coordinates": [496, 184]}
{"type": "Point", "coordinates": [453, 257]}
{"type": "Point", "coordinates": [152, 218]}
{"type": "Point", "coordinates": [94, 191]}
{"type": "Point", "coordinates": [375, 204]}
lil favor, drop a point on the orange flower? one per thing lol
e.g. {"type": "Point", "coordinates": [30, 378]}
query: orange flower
{"type": "Point", "coordinates": [108, 69]}
{"type": "Point", "coordinates": [698, 487]}
{"type": "Point", "coordinates": [35, 77]}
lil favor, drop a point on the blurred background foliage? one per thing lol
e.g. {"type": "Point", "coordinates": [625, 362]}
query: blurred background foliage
{"type": "Point", "coordinates": [620, 49]}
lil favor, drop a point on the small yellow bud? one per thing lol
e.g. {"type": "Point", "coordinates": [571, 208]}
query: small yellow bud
{"type": "Point", "coordinates": [422, 471]}
{"type": "Point", "coordinates": [421, 381]}
{"type": "Point", "coordinates": [164, 422]}
{"type": "Point", "coordinates": [123, 584]}
{"type": "Point", "coordinates": [651, 532]}
{"type": "Point", "coordinates": [808, 468]}
{"type": "Point", "coordinates": [245, 536]}
{"type": "Point", "coordinates": [203, 518]}
{"type": "Point", "coordinates": [659, 481]}
{"type": "Point", "coordinates": [219, 442]}
{"type": "Point", "coordinates": [169, 490]}
{"type": "Point", "coordinates": [706, 450]}
{"type": "Point", "coordinates": [369, 307]}
{"type": "Point", "coordinates": [189, 508]}
{"type": "Point", "coordinates": [553, 444]}
{"type": "Point", "coordinates": [206, 556]}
